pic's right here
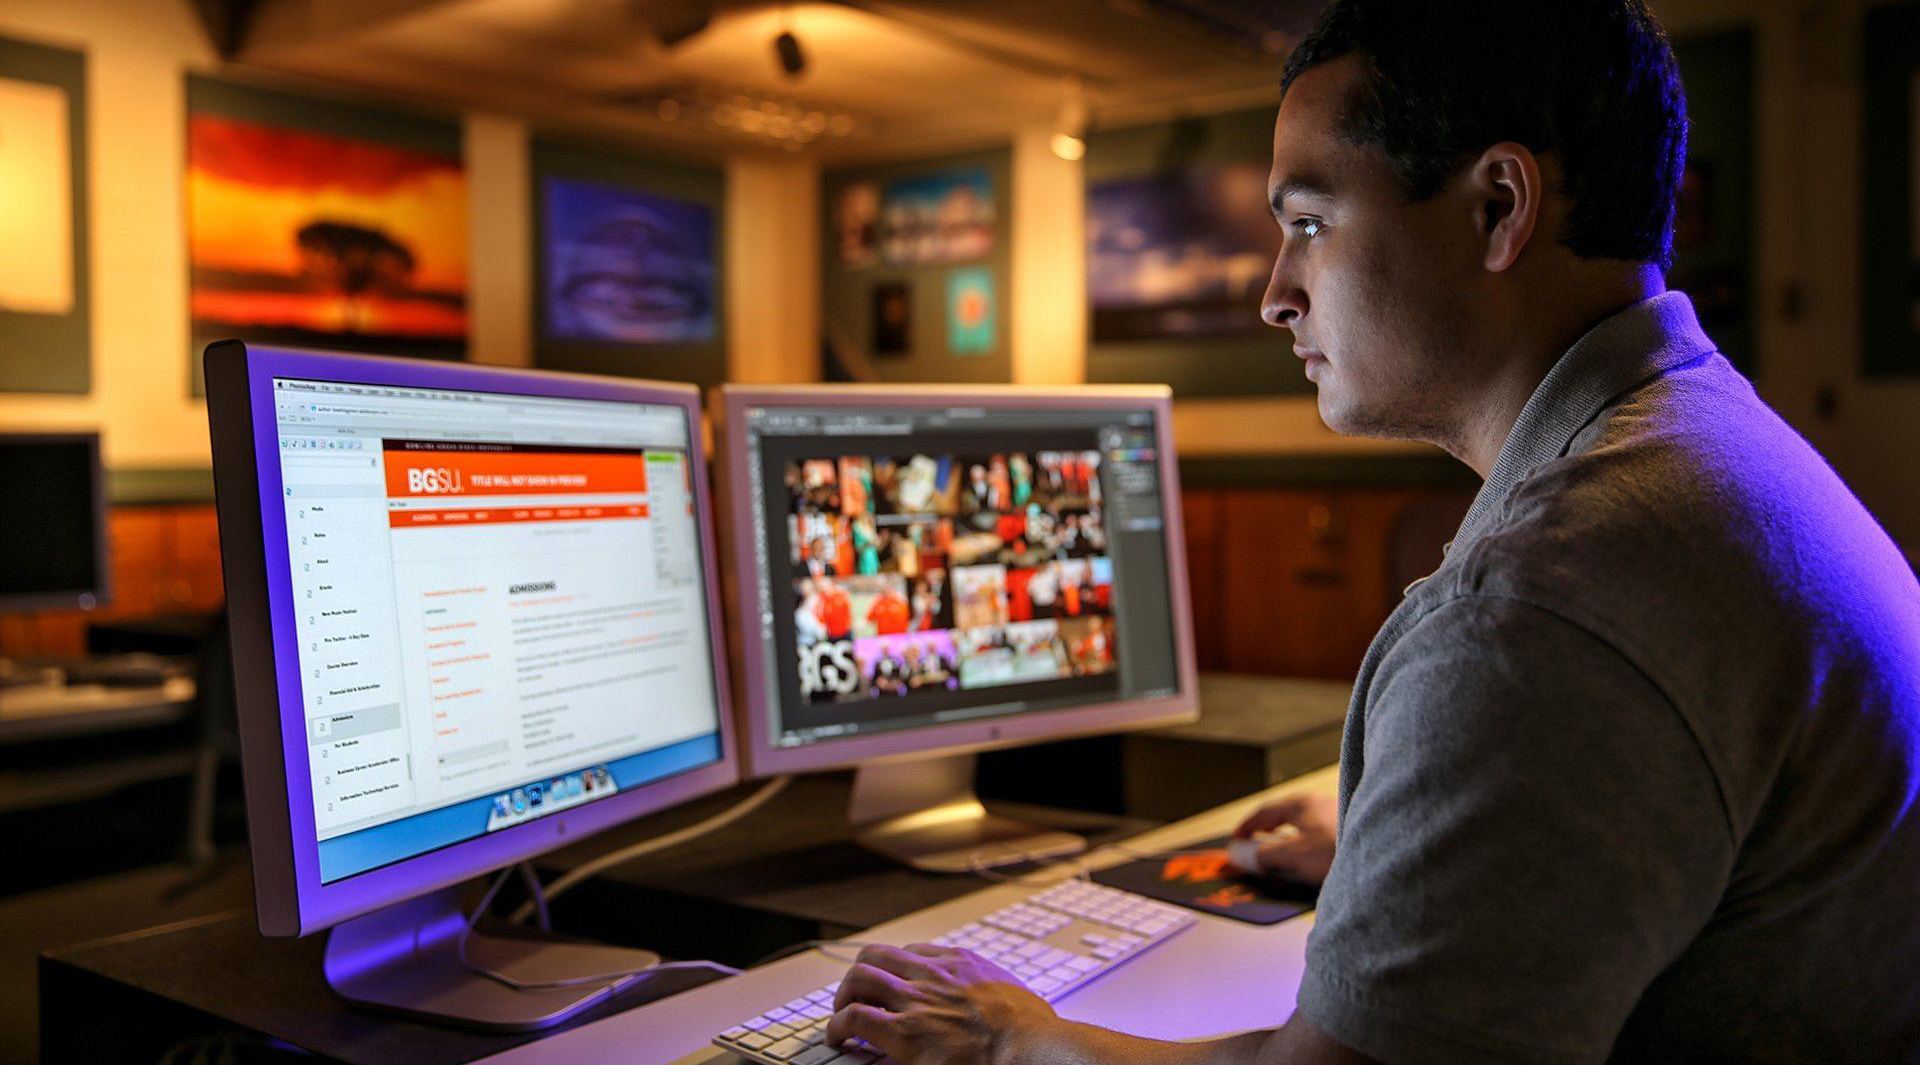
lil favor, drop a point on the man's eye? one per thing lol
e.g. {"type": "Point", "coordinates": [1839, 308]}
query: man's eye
{"type": "Point", "coordinates": [1308, 227]}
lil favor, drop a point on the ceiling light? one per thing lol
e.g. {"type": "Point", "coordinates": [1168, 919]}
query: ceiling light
{"type": "Point", "coordinates": [1070, 126]}
{"type": "Point", "coordinates": [787, 48]}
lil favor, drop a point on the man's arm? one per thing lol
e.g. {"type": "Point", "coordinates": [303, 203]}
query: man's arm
{"type": "Point", "coordinates": [928, 1005]}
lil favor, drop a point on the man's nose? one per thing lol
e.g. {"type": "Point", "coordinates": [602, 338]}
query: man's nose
{"type": "Point", "coordinates": [1285, 301]}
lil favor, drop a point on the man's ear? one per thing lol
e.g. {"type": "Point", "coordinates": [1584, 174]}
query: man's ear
{"type": "Point", "coordinates": [1510, 194]}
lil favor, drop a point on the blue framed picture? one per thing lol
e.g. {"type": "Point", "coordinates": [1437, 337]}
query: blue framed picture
{"type": "Point", "coordinates": [626, 266]}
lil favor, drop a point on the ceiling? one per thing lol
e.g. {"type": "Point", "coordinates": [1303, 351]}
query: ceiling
{"type": "Point", "coordinates": [882, 78]}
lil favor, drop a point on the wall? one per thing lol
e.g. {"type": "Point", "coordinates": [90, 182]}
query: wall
{"type": "Point", "coordinates": [136, 148]}
{"type": "Point", "coordinates": [138, 55]}
{"type": "Point", "coordinates": [1808, 225]}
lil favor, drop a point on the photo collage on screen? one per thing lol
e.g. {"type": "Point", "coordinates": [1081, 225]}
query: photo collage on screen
{"type": "Point", "coordinates": [947, 571]}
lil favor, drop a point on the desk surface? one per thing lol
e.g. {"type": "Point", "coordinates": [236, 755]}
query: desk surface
{"type": "Point", "coordinates": [43, 712]}
{"type": "Point", "coordinates": [803, 863]}
{"type": "Point", "coordinates": [1231, 976]}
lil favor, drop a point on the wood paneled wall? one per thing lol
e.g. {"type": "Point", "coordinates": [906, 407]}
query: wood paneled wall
{"type": "Point", "coordinates": [165, 560]}
{"type": "Point", "coordinates": [1295, 582]}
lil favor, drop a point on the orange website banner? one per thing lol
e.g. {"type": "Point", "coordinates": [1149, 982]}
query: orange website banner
{"type": "Point", "coordinates": [414, 519]}
{"type": "Point", "coordinates": [421, 474]}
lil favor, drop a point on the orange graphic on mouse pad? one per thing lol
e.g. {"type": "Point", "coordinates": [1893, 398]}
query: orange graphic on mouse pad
{"type": "Point", "coordinates": [1196, 868]}
{"type": "Point", "coordinates": [1201, 878]}
{"type": "Point", "coordinates": [1227, 897]}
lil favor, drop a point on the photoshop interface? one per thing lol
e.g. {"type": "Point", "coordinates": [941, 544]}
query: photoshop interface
{"type": "Point", "coordinates": [926, 565]}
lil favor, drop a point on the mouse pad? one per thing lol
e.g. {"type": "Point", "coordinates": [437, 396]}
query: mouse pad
{"type": "Point", "coordinates": [1199, 878]}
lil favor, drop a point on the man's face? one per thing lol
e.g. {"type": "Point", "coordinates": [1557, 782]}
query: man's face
{"type": "Point", "coordinates": [1374, 287]}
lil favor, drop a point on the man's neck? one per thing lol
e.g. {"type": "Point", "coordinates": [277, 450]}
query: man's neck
{"type": "Point", "coordinates": [1489, 417]}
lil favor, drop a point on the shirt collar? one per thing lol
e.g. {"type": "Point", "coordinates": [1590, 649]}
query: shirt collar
{"type": "Point", "coordinates": [1621, 353]}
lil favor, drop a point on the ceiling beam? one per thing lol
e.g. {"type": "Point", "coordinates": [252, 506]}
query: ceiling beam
{"type": "Point", "coordinates": [278, 25]}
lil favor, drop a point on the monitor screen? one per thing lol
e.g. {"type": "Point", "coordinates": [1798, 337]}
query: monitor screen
{"type": "Point", "coordinates": [500, 608]}
{"type": "Point", "coordinates": [922, 565]}
{"type": "Point", "coordinates": [52, 534]}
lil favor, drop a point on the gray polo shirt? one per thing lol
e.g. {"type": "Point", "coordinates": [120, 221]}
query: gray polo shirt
{"type": "Point", "coordinates": [1635, 775]}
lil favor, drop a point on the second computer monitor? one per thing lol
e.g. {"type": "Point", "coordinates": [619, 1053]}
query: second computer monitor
{"type": "Point", "coordinates": [933, 572]}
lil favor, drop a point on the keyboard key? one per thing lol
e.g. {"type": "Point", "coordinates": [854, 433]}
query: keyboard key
{"type": "Point", "coordinates": [818, 1055]}
{"type": "Point", "coordinates": [785, 1049]}
{"type": "Point", "coordinates": [735, 1032]}
{"type": "Point", "coordinates": [1052, 958]}
{"type": "Point", "coordinates": [755, 1041]}
{"type": "Point", "coordinates": [798, 1004]}
{"type": "Point", "coordinates": [1082, 964]}
{"type": "Point", "coordinates": [756, 1024]}
{"type": "Point", "coordinates": [1044, 984]}
{"type": "Point", "coordinates": [777, 1013]}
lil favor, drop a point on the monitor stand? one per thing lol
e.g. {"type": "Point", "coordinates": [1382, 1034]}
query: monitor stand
{"type": "Point", "coordinates": [403, 959]}
{"type": "Point", "coordinates": [924, 813]}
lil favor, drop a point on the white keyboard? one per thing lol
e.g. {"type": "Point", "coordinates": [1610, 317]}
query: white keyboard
{"type": "Point", "coordinates": [1055, 941]}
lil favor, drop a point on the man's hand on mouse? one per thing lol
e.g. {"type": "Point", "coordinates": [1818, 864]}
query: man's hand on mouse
{"type": "Point", "coordinates": [1295, 836]}
{"type": "Point", "coordinates": [928, 1005]}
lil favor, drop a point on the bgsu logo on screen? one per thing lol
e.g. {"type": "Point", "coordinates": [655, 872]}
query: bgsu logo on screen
{"type": "Point", "coordinates": [434, 480]}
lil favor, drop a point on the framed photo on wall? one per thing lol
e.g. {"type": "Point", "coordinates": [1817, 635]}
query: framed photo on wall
{"type": "Point", "coordinates": [315, 223]}
{"type": "Point", "coordinates": [1890, 235]}
{"type": "Point", "coordinates": [627, 266]}
{"type": "Point", "coordinates": [1180, 243]}
{"type": "Point", "coordinates": [45, 341]}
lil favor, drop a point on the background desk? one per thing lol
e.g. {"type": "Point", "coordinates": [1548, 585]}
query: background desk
{"type": "Point", "coordinates": [218, 974]}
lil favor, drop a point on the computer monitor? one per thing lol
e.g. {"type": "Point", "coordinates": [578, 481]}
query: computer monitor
{"type": "Point", "coordinates": [924, 573]}
{"type": "Point", "coordinates": [53, 533]}
{"type": "Point", "coordinates": [474, 618]}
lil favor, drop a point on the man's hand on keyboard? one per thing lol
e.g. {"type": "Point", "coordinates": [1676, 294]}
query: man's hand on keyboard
{"type": "Point", "coordinates": [1299, 833]}
{"type": "Point", "coordinates": [928, 1005]}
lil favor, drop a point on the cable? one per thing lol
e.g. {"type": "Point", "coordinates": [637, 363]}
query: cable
{"type": "Point", "coordinates": [566, 881]}
{"type": "Point", "coordinates": [486, 901]}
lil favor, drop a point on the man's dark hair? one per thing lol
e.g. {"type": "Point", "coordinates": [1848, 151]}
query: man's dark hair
{"type": "Point", "coordinates": [1592, 81]}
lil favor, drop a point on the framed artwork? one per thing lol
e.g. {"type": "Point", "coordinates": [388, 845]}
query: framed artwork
{"type": "Point", "coordinates": [1890, 235]}
{"type": "Point", "coordinates": [319, 224]}
{"type": "Point", "coordinates": [971, 325]}
{"type": "Point", "coordinates": [1183, 254]}
{"type": "Point", "coordinates": [627, 264]}
{"type": "Point", "coordinates": [892, 319]}
{"type": "Point", "coordinates": [914, 260]}
{"type": "Point", "coordinates": [1180, 244]}
{"type": "Point", "coordinates": [856, 224]}
{"type": "Point", "coordinates": [943, 216]}
{"type": "Point", "coordinates": [45, 340]}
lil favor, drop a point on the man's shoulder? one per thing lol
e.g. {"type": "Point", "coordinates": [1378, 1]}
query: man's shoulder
{"type": "Point", "coordinates": [1690, 482]}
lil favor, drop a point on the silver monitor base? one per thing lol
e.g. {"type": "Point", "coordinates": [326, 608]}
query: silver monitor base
{"type": "Point", "coordinates": [924, 814]}
{"type": "Point", "coordinates": [404, 959]}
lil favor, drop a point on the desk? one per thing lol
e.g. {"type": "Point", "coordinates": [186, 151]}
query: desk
{"type": "Point", "coordinates": [57, 711]}
{"type": "Point", "coordinates": [219, 974]}
{"type": "Point", "coordinates": [1232, 976]}
{"type": "Point", "coordinates": [794, 875]}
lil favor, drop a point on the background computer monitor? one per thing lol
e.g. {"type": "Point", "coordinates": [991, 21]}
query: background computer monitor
{"type": "Point", "coordinates": [474, 618]}
{"type": "Point", "coordinates": [923, 573]}
{"type": "Point", "coordinates": [54, 527]}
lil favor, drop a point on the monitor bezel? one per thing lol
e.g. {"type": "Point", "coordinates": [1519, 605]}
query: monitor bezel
{"type": "Point", "coordinates": [762, 757]}
{"type": "Point", "coordinates": [291, 899]}
{"type": "Point", "coordinates": [102, 590]}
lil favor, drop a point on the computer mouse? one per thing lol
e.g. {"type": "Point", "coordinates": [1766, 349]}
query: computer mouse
{"type": "Point", "coordinates": [1244, 855]}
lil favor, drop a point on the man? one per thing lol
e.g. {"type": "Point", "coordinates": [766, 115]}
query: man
{"type": "Point", "coordinates": [1635, 774]}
